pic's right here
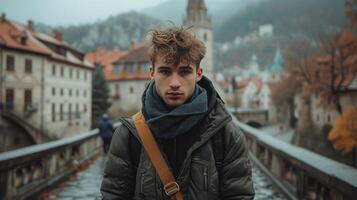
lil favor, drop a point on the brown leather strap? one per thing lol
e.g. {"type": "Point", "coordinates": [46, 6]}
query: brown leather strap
{"type": "Point", "coordinates": [171, 187]}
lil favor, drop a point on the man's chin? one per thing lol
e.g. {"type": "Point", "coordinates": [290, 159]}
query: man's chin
{"type": "Point", "coordinates": [174, 103]}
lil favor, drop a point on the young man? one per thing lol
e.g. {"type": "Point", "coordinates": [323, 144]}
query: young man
{"type": "Point", "coordinates": [187, 118]}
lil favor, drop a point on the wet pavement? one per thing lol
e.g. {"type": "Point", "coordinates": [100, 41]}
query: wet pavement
{"type": "Point", "coordinates": [86, 184]}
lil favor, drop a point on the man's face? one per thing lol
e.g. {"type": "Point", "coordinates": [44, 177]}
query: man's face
{"type": "Point", "coordinates": [175, 84]}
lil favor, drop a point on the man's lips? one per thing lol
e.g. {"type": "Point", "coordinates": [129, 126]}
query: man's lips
{"type": "Point", "coordinates": [174, 95]}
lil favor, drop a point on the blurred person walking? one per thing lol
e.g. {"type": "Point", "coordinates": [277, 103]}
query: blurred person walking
{"type": "Point", "coordinates": [105, 131]}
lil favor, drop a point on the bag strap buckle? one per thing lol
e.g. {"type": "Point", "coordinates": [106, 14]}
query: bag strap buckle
{"type": "Point", "coordinates": [171, 188]}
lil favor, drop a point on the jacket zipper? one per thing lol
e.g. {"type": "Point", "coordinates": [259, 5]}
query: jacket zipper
{"type": "Point", "coordinates": [142, 182]}
{"type": "Point", "coordinates": [205, 175]}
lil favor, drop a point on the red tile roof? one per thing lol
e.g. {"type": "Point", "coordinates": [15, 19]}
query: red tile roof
{"type": "Point", "coordinates": [11, 35]}
{"type": "Point", "coordinates": [105, 58]}
{"type": "Point", "coordinates": [20, 37]}
{"type": "Point", "coordinates": [137, 54]}
{"type": "Point", "coordinates": [136, 57]}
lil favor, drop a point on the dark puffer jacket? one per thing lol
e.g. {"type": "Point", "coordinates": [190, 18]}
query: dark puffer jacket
{"type": "Point", "coordinates": [127, 177]}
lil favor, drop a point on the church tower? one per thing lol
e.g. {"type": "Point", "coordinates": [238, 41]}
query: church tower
{"type": "Point", "coordinates": [200, 23]}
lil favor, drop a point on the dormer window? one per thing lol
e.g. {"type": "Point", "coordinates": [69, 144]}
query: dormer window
{"type": "Point", "coordinates": [131, 68]}
{"type": "Point", "coordinates": [145, 68]}
{"type": "Point", "coordinates": [117, 68]}
{"type": "Point", "coordinates": [23, 40]}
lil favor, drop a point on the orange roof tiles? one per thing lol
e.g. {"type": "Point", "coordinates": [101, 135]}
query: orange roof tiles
{"type": "Point", "coordinates": [138, 53]}
{"type": "Point", "coordinates": [11, 35]}
{"type": "Point", "coordinates": [20, 37]}
{"type": "Point", "coordinates": [136, 57]}
{"type": "Point", "coordinates": [105, 58]}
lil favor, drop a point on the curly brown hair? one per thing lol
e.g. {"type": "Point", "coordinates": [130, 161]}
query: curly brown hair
{"type": "Point", "coordinates": [176, 44]}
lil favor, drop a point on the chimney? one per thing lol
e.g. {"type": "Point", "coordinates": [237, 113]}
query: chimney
{"type": "Point", "coordinates": [58, 35]}
{"type": "Point", "coordinates": [3, 17]}
{"type": "Point", "coordinates": [30, 25]}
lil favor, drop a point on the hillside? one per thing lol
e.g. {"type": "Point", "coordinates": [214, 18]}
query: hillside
{"type": "Point", "coordinates": [291, 18]}
{"type": "Point", "coordinates": [115, 32]}
{"type": "Point", "coordinates": [174, 10]}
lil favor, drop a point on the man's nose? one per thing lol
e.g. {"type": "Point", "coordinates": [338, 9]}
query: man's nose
{"type": "Point", "coordinates": [175, 82]}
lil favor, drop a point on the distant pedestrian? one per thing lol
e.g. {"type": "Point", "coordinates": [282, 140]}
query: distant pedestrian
{"type": "Point", "coordinates": [105, 131]}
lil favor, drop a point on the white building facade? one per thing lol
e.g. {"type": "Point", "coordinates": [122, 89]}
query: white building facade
{"type": "Point", "coordinates": [45, 83]}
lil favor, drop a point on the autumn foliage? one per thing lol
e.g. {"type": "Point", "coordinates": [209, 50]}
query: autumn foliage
{"type": "Point", "coordinates": [344, 133]}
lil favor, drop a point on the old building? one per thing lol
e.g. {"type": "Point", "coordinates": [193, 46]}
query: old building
{"type": "Point", "coordinates": [129, 78]}
{"type": "Point", "coordinates": [199, 23]}
{"type": "Point", "coordinates": [127, 73]}
{"type": "Point", "coordinates": [45, 83]}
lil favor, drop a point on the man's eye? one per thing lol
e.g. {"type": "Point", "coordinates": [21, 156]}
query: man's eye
{"type": "Point", "coordinates": [185, 72]}
{"type": "Point", "coordinates": [165, 72]}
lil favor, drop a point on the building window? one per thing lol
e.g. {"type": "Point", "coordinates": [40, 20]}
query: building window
{"type": "Point", "coordinates": [117, 68]}
{"type": "Point", "coordinates": [10, 63]}
{"type": "Point", "coordinates": [28, 99]}
{"type": "Point", "coordinates": [328, 118]}
{"type": "Point", "coordinates": [131, 68]}
{"type": "Point", "coordinates": [77, 74]}
{"type": "Point", "coordinates": [70, 73]}
{"type": "Point", "coordinates": [205, 38]}
{"type": "Point", "coordinates": [53, 70]}
{"type": "Point", "coordinates": [317, 117]}
{"type": "Point", "coordinates": [61, 112]}
{"type": "Point", "coordinates": [62, 71]}
{"type": "Point", "coordinates": [85, 75]}
{"type": "Point", "coordinates": [9, 99]}
{"type": "Point", "coordinates": [53, 112]}
{"type": "Point", "coordinates": [85, 93]}
{"type": "Point", "coordinates": [70, 92]}
{"type": "Point", "coordinates": [69, 111]}
{"type": "Point", "coordinates": [145, 68]}
{"type": "Point", "coordinates": [116, 89]}
{"type": "Point", "coordinates": [77, 93]}
{"type": "Point", "coordinates": [61, 92]}
{"type": "Point", "coordinates": [77, 111]}
{"type": "Point", "coordinates": [28, 66]}
{"type": "Point", "coordinates": [53, 91]}
{"type": "Point", "coordinates": [131, 90]}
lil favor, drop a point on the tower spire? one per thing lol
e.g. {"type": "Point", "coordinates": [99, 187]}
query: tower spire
{"type": "Point", "coordinates": [197, 14]}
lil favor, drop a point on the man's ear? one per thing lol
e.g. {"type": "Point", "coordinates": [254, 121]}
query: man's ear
{"type": "Point", "coordinates": [199, 74]}
{"type": "Point", "coordinates": [152, 72]}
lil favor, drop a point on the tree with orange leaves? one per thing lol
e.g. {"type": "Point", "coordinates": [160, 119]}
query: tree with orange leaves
{"type": "Point", "coordinates": [327, 70]}
{"type": "Point", "coordinates": [351, 11]}
{"type": "Point", "coordinates": [344, 133]}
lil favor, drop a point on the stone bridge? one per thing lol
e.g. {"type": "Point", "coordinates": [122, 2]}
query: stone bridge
{"type": "Point", "coordinates": [252, 117]}
{"type": "Point", "coordinates": [295, 173]}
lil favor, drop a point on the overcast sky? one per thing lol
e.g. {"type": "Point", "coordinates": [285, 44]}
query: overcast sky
{"type": "Point", "coordinates": [69, 12]}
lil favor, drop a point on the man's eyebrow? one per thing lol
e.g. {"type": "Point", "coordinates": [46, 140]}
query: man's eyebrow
{"type": "Point", "coordinates": [186, 67]}
{"type": "Point", "coordinates": [164, 67]}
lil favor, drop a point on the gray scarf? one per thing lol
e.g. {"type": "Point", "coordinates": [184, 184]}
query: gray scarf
{"type": "Point", "coordinates": [168, 123]}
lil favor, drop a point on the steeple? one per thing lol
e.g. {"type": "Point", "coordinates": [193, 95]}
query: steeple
{"type": "Point", "coordinates": [197, 14]}
{"type": "Point", "coordinates": [276, 66]}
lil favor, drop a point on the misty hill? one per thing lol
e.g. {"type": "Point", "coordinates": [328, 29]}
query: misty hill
{"type": "Point", "coordinates": [115, 32]}
{"type": "Point", "coordinates": [304, 18]}
{"type": "Point", "coordinates": [175, 10]}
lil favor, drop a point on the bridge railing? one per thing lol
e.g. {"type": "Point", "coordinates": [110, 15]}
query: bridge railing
{"type": "Point", "coordinates": [27, 171]}
{"type": "Point", "coordinates": [299, 173]}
